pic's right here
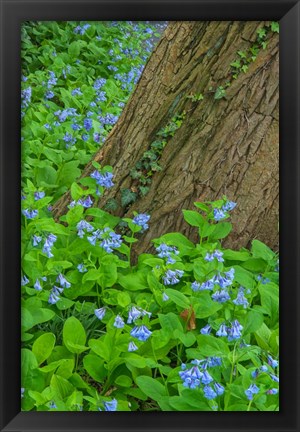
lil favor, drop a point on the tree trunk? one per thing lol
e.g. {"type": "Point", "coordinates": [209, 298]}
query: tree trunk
{"type": "Point", "coordinates": [224, 146]}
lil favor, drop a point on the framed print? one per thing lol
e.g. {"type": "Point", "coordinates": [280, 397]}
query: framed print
{"type": "Point", "coordinates": [149, 207]}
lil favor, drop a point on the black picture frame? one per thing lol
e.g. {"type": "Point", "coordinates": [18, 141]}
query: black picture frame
{"type": "Point", "coordinates": [13, 13]}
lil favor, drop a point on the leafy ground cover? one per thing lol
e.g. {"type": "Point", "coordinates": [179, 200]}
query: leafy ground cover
{"type": "Point", "coordinates": [191, 327]}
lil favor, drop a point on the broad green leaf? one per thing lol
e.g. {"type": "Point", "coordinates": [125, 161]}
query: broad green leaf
{"type": "Point", "coordinates": [95, 367]}
{"type": "Point", "coordinates": [253, 322]}
{"type": "Point", "coordinates": [222, 229]}
{"type": "Point", "coordinates": [74, 335]}
{"type": "Point", "coordinates": [43, 346]}
{"type": "Point", "coordinates": [151, 387]}
{"type": "Point", "coordinates": [188, 339]}
{"type": "Point", "coordinates": [244, 277]}
{"type": "Point", "coordinates": [170, 322]}
{"type": "Point", "coordinates": [205, 306]}
{"type": "Point", "coordinates": [260, 250]}
{"type": "Point", "coordinates": [178, 298]}
{"type": "Point", "coordinates": [208, 346]}
{"type": "Point", "coordinates": [133, 281]}
{"type": "Point", "coordinates": [61, 387]}
{"type": "Point", "coordinates": [193, 218]}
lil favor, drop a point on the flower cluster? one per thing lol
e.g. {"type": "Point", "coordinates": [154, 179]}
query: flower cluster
{"type": "Point", "coordinates": [141, 220]}
{"type": "Point", "coordinates": [142, 333]}
{"type": "Point", "coordinates": [197, 376]}
{"type": "Point", "coordinates": [84, 202]}
{"type": "Point", "coordinates": [172, 277]}
{"type": "Point", "coordinates": [110, 406]}
{"type": "Point", "coordinates": [109, 240]}
{"type": "Point", "coordinates": [222, 281]}
{"type": "Point", "coordinates": [49, 242]}
{"type": "Point", "coordinates": [165, 251]}
{"type": "Point", "coordinates": [221, 213]}
{"type": "Point", "coordinates": [56, 291]}
{"type": "Point", "coordinates": [214, 255]}
{"type": "Point", "coordinates": [104, 180]}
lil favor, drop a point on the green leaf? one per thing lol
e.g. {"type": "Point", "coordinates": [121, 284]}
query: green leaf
{"type": "Point", "coordinates": [208, 346]}
{"type": "Point", "coordinates": [123, 381]}
{"type": "Point", "coordinates": [69, 172]}
{"type": "Point", "coordinates": [135, 360]}
{"type": "Point", "coordinates": [232, 255]}
{"type": "Point", "coordinates": [206, 307]}
{"type": "Point", "coordinates": [61, 387]}
{"type": "Point", "coordinates": [133, 281]}
{"type": "Point", "coordinates": [73, 335]}
{"type": "Point", "coordinates": [260, 250]}
{"type": "Point", "coordinates": [43, 346]}
{"type": "Point", "coordinates": [39, 316]}
{"type": "Point", "coordinates": [151, 387]}
{"type": "Point", "coordinates": [189, 401]}
{"type": "Point", "coordinates": [127, 197]}
{"type": "Point", "coordinates": [124, 299]}
{"type": "Point", "coordinates": [257, 265]}
{"type": "Point", "coordinates": [188, 339]}
{"type": "Point", "coordinates": [253, 322]}
{"type": "Point", "coordinates": [269, 294]}
{"type": "Point", "coordinates": [178, 298]}
{"type": "Point", "coordinates": [222, 229]}
{"type": "Point", "coordinates": [45, 175]}
{"type": "Point", "coordinates": [220, 93]}
{"type": "Point", "coordinates": [108, 272]}
{"type": "Point", "coordinates": [95, 367]}
{"type": "Point", "coordinates": [244, 277]}
{"type": "Point", "coordinates": [91, 275]}
{"type": "Point", "coordinates": [170, 322]}
{"type": "Point", "coordinates": [76, 191]}
{"type": "Point", "coordinates": [74, 215]}
{"type": "Point", "coordinates": [193, 218]}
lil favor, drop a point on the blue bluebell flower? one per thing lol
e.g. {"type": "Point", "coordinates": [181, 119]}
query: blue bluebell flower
{"type": "Point", "coordinates": [53, 298]}
{"type": "Point", "coordinates": [191, 377]}
{"type": "Point", "coordinates": [84, 137]}
{"type": "Point", "coordinates": [272, 362]}
{"type": "Point", "coordinates": [22, 392]}
{"type": "Point", "coordinates": [77, 92]}
{"type": "Point", "coordinates": [214, 361]}
{"type": "Point", "coordinates": [49, 94]}
{"type": "Point", "coordinates": [57, 290]}
{"type": "Point", "coordinates": [241, 299]}
{"type": "Point", "coordinates": [63, 281]}
{"type": "Point", "coordinates": [85, 202]}
{"type": "Point", "coordinates": [195, 286]}
{"type": "Point", "coordinates": [109, 239]}
{"type": "Point", "coordinates": [52, 405]}
{"type": "Point", "coordinates": [272, 391]}
{"type": "Point", "coordinates": [172, 277]}
{"type": "Point", "coordinates": [165, 251]}
{"type": "Point", "coordinates": [25, 97]}
{"type": "Point", "coordinates": [234, 332]}
{"type": "Point", "coordinates": [262, 279]}
{"type": "Point", "coordinates": [222, 331]}
{"type": "Point", "coordinates": [141, 220]}
{"type": "Point", "coordinates": [165, 297]}
{"type": "Point", "coordinates": [100, 313]}
{"type": "Point", "coordinates": [83, 226]}
{"type": "Point", "coordinates": [81, 29]}
{"type": "Point", "coordinates": [142, 333]}
{"type": "Point", "coordinates": [39, 195]}
{"type": "Point", "coordinates": [214, 255]}
{"type": "Point", "coordinates": [88, 123]}
{"type": "Point", "coordinates": [132, 347]}
{"type": "Point", "coordinates": [255, 373]}
{"type": "Point", "coordinates": [103, 179]}
{"type": "Point", "coordinates": [49, 241]}
{"type": "Point", "coordinates": [209, 392]}
{"type": "Point", "coordinates": [37, 286]}
{"type": "Point", "coordinates": [274, 377]}
{"type": "Point", "coordinates": [30, 214]}
{"type": "Point", "coordinates": [221, 296]}
{"type": "Point", "coordinates": [206, 378]}
{"type": "Point", "coordinates": [69, 139]}
{"type": "Point", "coordinates": [208, 285]}
{"type": "Point", "coordinates": [219, 214]}
{"type": "Point", "coordinates": [24, 280]}
{"type": "Point", "coordinates": [81, 268]}
{"type": "Point", "coordinates": [206, 330]}
{"type": "Point", "coordinates": [111, 406]}
{"type": "Point", "coordinates": [99, 83]}
{"type": "Point", "coordinates": [251, 391]}
{"type": "Point", "coordinates": [264, 368]}
{"type": "Point", "coordinates": [119, 322]}
{"type": "Point", "coordinates": [228, 206]}
{"type": "Point", "coordinates": [52, 81]}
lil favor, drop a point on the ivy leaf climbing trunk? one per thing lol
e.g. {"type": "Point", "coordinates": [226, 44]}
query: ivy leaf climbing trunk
{"type": "Point", "coordinates": [202, 122]}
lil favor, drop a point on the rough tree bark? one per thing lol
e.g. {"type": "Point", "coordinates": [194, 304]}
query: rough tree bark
{"type": "Point", "coordinates": [227, 146]}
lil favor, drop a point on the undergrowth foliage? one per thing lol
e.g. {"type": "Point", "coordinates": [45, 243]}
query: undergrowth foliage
{"type": "Point", "coordinates": [192, 327]}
